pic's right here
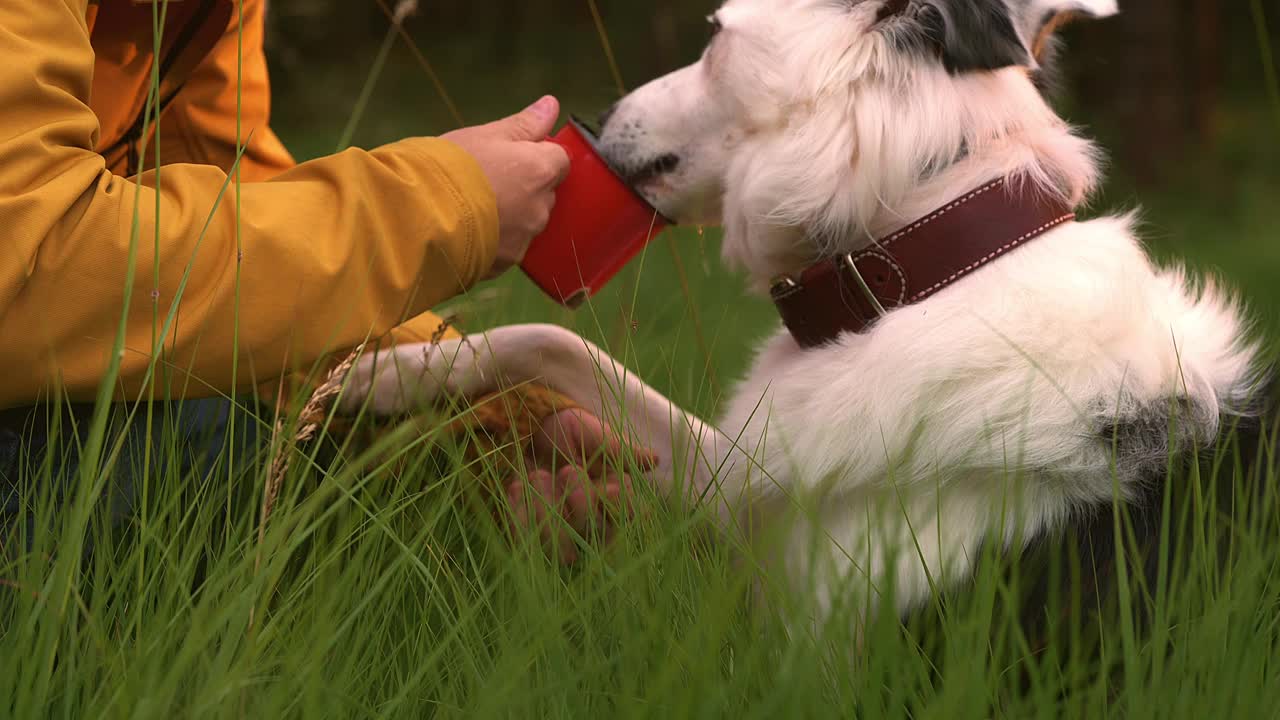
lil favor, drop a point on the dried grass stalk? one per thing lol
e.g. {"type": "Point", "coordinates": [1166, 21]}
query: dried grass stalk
{"type": "Point", "coordinates": [313, 416]}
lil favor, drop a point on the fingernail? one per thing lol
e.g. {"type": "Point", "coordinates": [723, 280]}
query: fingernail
{"type": "Point", "coordinates": [544, 107]}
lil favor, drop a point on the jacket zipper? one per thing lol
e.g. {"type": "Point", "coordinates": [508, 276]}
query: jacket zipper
{"type": "Point", "coordinates": [131, 137]}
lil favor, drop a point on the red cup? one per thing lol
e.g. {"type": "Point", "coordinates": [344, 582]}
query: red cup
{"type": "Point", "coordinates": [599, 223]}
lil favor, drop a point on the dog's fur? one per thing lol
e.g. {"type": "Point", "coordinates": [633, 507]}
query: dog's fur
{"type": "Point", "coordinates": [1004, 409]}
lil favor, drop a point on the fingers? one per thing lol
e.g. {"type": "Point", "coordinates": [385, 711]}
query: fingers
{"type": "Point", "coordinates": [595, 509]}
{"type": "Point", "coordinates": [615, 504]}
{"type": "Point", "coordinates": [518, 506]}
{"type": "Point", "coordinates": [557, 164]}
{"type": "Point", "coordinates": [544, 166]}
{"type": "Point", "coordinates": [579, 438]}
{"type": "Point", "coordinates": [548, 162]}
{"type": "Point", "coordinates": [524, 169]}
{"type": "Point", "coordinates": [571, 435]}
{"type": "Point", "coordinates": [585, 498]}
{"type": "Point", "coordinates": [534, 123]}
{"type": "Point", "coordinates": [567, 507]}
{"type": "Point", "coordinates": [535, 504]}
{"type": "Point", "coordinates": [553, 168]}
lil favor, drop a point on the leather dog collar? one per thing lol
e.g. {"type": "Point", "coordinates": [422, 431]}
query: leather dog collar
{"type": "Point", "coordinates": [850, 292]}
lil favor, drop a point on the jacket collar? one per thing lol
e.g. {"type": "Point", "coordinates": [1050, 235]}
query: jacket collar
{"type": "Point", "coordinates": [121, 31]}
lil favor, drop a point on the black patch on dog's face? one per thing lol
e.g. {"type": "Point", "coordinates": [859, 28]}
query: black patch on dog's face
{"type": "Point", "coordinates": [975, 35]}
{"type": "Point", "coordinates": [966, 35]}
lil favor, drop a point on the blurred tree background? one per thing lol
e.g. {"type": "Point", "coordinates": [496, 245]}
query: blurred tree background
{"type": "Point", "coordinates": [1181, 93]}
{"type": "Point", "coordinates": [1162, 79]}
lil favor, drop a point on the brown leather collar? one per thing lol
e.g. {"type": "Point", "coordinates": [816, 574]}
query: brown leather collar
{"type": "Point", "coordinates": [849, 293]}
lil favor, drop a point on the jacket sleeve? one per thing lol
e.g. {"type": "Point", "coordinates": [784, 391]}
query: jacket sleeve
{"type": "Point", "coordinates": [320, 257]}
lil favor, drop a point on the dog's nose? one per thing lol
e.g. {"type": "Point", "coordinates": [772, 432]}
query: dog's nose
{"type": "Point", "coordinates": [604, 116]}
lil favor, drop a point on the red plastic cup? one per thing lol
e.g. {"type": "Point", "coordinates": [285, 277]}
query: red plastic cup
{"type": "Point", "coordinates": [598, 225]}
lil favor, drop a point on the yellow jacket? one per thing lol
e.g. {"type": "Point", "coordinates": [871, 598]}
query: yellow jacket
{"type": "Point", "coordinates": [325, 254]}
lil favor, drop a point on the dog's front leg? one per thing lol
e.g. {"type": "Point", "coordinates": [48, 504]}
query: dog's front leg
{"type": "Point", "coordinates": [691, 453]}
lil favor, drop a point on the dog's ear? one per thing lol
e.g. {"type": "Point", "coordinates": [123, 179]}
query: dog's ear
{"type": "Point", "coordinates": [969, 35]}
{"type": "Point", "coordinates": [976, 35]}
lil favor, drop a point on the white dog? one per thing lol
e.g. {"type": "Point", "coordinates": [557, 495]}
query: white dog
{"type": "Point", "coordinates": [1051, 372]}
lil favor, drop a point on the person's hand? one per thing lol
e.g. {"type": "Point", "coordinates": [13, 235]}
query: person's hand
{"type": "Point", "coordinates": [587, 496]}
{"type": "Point", "coordinates": [524, 171]}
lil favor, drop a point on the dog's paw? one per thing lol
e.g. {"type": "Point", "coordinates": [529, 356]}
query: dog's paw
{"type": "Point", "coordinates": [409, 377]}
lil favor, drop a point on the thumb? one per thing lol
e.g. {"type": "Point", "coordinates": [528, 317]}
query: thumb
{"type": "Point", "coordinates": [534, 123]}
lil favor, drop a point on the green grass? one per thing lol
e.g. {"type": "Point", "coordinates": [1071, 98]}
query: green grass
{"type": "Point", "coordinates": [378, 593]}
{"type": "Point", "coordinates": [390, 595]}
{"type": "Point", "coordinates": [385, 592]}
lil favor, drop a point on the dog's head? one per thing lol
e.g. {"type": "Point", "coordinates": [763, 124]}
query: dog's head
{"type": "Point", "coordinates": [802, 115]}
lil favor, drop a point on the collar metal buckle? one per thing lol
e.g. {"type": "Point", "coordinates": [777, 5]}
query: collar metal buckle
{"type": "Point", "coordinates": [783, 286]}
{"type": "Point", "coordinates": [852, 267]}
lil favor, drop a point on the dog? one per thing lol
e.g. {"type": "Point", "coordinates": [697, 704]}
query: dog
{"type": "Point", "coordinates": [966, 364]}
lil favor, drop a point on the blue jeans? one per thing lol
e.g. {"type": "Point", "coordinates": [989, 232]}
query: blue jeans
{"type": "Point", "coordinates": [33, 439]}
